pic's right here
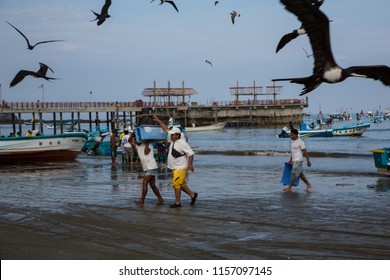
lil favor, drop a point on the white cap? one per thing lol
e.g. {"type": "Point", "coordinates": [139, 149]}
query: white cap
{"type": "Point", "coordinates": [175, 130]}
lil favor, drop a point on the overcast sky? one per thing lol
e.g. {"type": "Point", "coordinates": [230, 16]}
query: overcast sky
{"type": "Point", "coordinates": [144, 41]}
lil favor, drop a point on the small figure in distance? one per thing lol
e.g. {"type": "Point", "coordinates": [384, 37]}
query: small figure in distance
{"type": "Point", "coordinates": [127, 146]}
{"type": "Point", "coordinates": [96, 143]}
{"type": "Point", "coordinates": [113, 145]}
{"type": "Point", "coordinates": [97, 123]}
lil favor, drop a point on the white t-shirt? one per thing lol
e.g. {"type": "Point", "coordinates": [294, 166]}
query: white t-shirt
{"type": "Point", "coordinates": [147, 161]}
{"type": "Point", "coordinates": [170, 122]}
{"type": "Point", "coordinates": [296, 149]}
{"type": "Point", "coordinates": [125, 141]}
{"type": "Point", "coordinates": [183, 148]}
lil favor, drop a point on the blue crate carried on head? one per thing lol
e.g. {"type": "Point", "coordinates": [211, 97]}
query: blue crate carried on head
{"type": "Point", "coordinates": [286, 177]}
{"type": "Point", "coordinates": [150, 132]}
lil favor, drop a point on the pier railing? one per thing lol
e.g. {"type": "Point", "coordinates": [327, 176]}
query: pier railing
{"type": "Point", "coordinates": [65, 105]}
{"type": "Point", "coordinates": [270, 102]}
{"type": "Point", "coordinates": [15, 106]}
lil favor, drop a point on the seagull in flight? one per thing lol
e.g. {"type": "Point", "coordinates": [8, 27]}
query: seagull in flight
{"type": "Point", "coordinates": [325, 69]}
{"type": "Point", "coordinates": [170, 2]}
{"type": "Point", "coordinates": [29, 46]}
{"type": "Point", "coordinates": [209, 62]}
{"type": "Point", "coordinates": [103, 14]}
{"type": "Point", "coordinates": [296, 32]}
{"type": "Point", "coordinates": [41, 73]}
{"type": "Point", "coordinates": [233, 15]}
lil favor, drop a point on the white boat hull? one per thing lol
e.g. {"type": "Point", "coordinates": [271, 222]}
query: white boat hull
{"type": "Point", "coordinates": [62, 147]}
{"type": "Point", "coordinates": [216, 126]}
{"type": "Point", "coordinates": [353, 130]}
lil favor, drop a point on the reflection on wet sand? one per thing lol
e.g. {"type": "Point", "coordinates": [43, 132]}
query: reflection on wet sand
{"type": "Point", "coordinates": [86, 210]}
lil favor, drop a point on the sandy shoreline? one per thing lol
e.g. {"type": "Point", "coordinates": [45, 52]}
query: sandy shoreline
{"type": "Point", "coordinates": [225, 229]}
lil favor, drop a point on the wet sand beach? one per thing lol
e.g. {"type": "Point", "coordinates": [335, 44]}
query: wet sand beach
{"type": "Point", "coordinates": [245, 216]}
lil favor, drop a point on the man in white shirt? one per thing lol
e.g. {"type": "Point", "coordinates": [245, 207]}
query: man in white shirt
{"type": "Point", "coordinates": [180, 160]}
{"type": "Point", "coordinates": [149, 165]}
{"type": "Point", "coordinates": [298, 150]}
{"type": "Point", "coordinates": [127, 148]}
{"type": "Point", "coordinates": [170, 121]}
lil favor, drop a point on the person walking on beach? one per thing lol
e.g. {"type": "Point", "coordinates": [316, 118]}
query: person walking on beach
{"type": "Point", "coordinates": [180, 160]}
{"type": "Point", "coordinates": [127, 147]}
{"type": "Point", "coordinates": [298, 150]}
{"type": "Point", "coordinates": [113, 145]}
{"type": "Point", "coordinates": [149, 165]}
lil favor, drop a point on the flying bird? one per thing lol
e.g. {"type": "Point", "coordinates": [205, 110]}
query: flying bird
{"type": "Point", "coordinates": [170, 2]}
{"type": "Point", "coordinates": [209, 62]}
{"type": "Point", "coordinates": [325, 69]}
{"type": "Point", "coordinates": [233, 15]}
{"type": "Point", "coordinates": [296, 32]}
{"type": "Point", "coordinates": [215, 3]}
{"type": "Point", "coordinates": [29, 46]}
{"type": "Point", "coordinates": [41, 73]}
{"type": "Point", "coordinates": [103, 14]}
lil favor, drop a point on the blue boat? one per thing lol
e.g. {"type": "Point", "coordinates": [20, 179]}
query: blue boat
{"type": "Point", "coordinates": [323, 130]}
{"type": "Point", "coordinates": [306, 131]}
{"type": "Point", "coordinates": [382, 160]}
{"type": "Point", "coordinates": [104, 146]}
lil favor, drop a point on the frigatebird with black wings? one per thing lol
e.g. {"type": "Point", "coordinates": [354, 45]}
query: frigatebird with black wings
{"type": "Point", "coordinates": [29, 46]}
{"type": "Point", "coordinates": [103, 14]}
{"type": "Point", "coordinates": [41, 73]}
{"type": "Point", "coordinates": [287, 38]}
{"type": "Point", "coordinates": [170, 2]}
{"type": "Point", "coordinates": [316, 24]}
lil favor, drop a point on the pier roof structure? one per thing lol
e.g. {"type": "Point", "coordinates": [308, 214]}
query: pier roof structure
{"type": "Point", "coordinates": [166, 96]}
{"type": "Point", "coordinates": [165, 92]}
{"type": "Point", "coordinates": [255, 90]}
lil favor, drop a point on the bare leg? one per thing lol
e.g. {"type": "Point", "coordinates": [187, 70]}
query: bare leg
{"type": "Point", "coordinates": [187, 190]}
{"type": "Point", "coordinates": [152, 183]}
{"type": "Point", "coordinates": [304, 179]}
{"type": "Point", "coordinates": [177, 195]}
{"type": "Point", "coordinates": [145, 183]}
{"type": "Point", "coordinates": [288, 189]}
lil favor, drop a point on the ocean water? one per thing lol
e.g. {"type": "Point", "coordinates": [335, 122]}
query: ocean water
{"type": "Point", "coordinates": [236, 153]}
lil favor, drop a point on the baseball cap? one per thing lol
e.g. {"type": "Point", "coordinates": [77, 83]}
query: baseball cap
{"type": "Point", "coordinates": [175, 130]}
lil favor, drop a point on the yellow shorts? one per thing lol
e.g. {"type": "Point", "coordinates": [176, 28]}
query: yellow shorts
{"type": "Point", "coordinates": [179, 178]}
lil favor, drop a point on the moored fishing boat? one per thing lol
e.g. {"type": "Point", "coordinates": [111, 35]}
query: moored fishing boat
{"type": "Point", "coordinates": [351, 130]}
{"type": "Point", "coordinates": [347, 130]}
{"type": "Point", "coordinates": [61, 147]}
{"type": "Point", "coordinates": [382, 160]}
{"type": "Point", "coordinates": [67, 124]}
{"type": "Point", "coordinates": [215, 126]}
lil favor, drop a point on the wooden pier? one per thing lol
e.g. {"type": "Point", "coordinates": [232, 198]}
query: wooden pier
{"type": "Point", "coordinates": [257, 113]}
{"type": "Point", "coordinates": [164, 101]}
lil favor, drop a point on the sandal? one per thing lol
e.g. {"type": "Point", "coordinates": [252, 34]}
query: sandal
{"type": "Point", "coordinates": [175, 205]}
